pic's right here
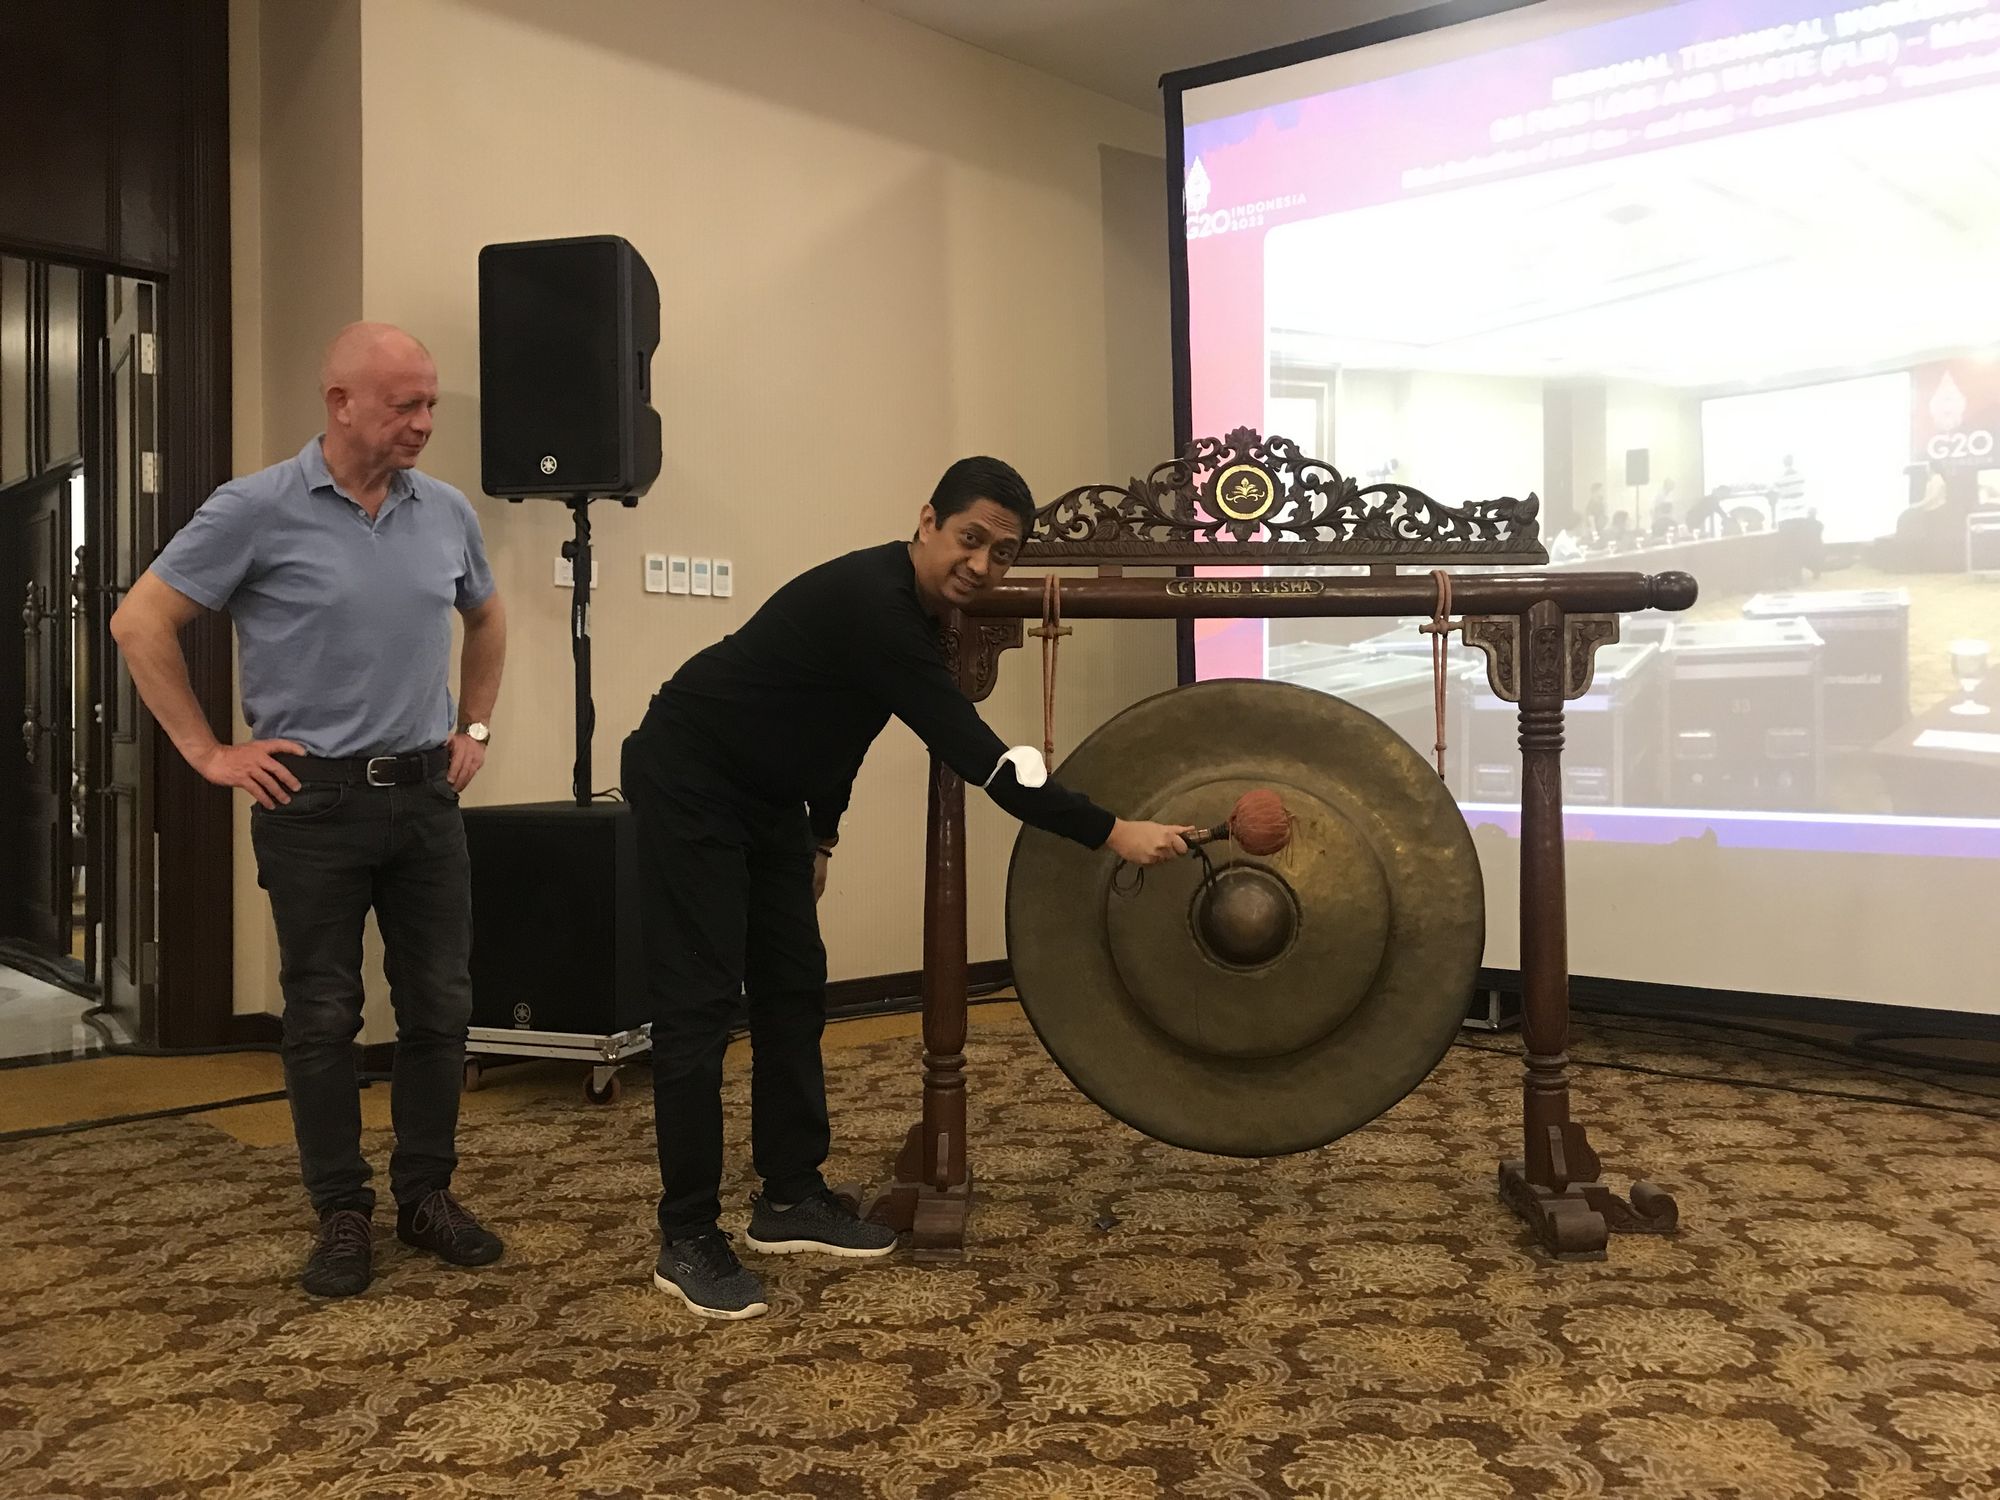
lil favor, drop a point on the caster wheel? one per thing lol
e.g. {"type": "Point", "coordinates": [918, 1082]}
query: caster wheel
{"type": "Point", "coordinates": [605, 1095]}
{"type": "Point", "coordinates": [473, 1076]}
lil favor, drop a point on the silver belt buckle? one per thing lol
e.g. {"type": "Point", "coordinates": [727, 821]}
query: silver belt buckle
{"type": "Point", "coordinates": [380, 760]}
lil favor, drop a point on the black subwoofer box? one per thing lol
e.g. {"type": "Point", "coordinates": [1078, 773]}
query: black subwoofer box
{"type": "Point", "coordinates": [555, 918]}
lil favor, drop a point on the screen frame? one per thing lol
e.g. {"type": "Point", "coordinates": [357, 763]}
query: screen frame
{"type": "Point", "coordinates": [1604, 994]}
{"type": "Point", "coordinates": [1173, 87]}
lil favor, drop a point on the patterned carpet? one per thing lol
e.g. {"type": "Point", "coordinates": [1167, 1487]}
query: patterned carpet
{"type": "Point", "coordinates": [1363, 1322]}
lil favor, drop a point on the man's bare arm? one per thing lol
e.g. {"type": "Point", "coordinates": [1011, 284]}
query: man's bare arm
{"type": "Point", "coordinates": [482, 659]}
{"type": "Point", "coordinates": [147, 628]}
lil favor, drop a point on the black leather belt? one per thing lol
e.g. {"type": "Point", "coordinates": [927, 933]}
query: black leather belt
{"type": "Point", "coordinates": [370, 770]}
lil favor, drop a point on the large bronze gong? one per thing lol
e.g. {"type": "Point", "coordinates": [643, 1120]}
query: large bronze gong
{"type": "Point", "coordinates": [1251, 1007]}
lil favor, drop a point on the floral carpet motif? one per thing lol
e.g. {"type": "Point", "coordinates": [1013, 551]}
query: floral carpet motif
{"type": "Point", "coordinates": [1363, 1322]}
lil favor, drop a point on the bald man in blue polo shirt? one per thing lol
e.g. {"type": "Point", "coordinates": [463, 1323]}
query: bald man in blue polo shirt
{"type": "Point", "coordinates": [341, 568]}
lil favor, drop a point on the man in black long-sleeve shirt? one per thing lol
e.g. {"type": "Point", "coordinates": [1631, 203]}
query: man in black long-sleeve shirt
{"type": "Point", "coordinates": [738, 778]}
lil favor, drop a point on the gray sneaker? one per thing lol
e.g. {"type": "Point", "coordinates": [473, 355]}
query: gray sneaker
{"type": "Point", "coordinates": [822, 1222]}
{"type": "Point", "coordinates": [705, 1274]}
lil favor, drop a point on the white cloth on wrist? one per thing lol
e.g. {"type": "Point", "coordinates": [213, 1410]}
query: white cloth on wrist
{"type": "Point", "coordinates": [1029, 767]}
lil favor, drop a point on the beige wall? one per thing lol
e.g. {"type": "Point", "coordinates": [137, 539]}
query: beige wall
{"type": "Point", "coordinates": [877, 250]}
{"type": "Point", "coordinates": [295, 251]}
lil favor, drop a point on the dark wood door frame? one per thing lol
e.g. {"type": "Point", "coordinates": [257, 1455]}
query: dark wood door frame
{"type": "Point", "coordinates": [164, 185]}
{"type": "Point", "coordinates": [126, 750]}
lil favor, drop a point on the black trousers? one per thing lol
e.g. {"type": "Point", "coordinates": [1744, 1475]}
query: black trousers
{"type": "Point", "coordinates": [729, 913]}
{"type": "Point", "coordinates": [326, 858]}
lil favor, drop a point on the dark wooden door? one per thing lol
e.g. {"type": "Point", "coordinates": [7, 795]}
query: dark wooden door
{"type": "Point", "coordinates": [33, 536]}
{"type": "Point", "coordinates": [40, 453]}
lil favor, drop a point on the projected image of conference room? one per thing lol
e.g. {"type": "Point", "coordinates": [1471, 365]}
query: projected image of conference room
{"type": "Point", "coordinates": [1727, 307]}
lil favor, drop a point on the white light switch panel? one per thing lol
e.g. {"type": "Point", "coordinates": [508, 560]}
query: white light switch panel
{"type": "Point", "coordinates": [699, 577]}
{"type": "Point", "coordinates": [677, 575]}
{"type": "Point", "coordinates": [725, 578]}
{"type": "Point", "coordinates": [656, 572]}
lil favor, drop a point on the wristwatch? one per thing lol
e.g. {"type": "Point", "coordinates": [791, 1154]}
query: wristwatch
{"type": "Point", "coordinates": [479, 734]}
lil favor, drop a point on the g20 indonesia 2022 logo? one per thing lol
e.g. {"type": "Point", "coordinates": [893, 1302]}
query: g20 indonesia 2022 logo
{"type": "Point", "coordinates": [1203, 222]}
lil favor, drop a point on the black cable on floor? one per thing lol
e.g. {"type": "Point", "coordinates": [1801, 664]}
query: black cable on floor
{"type": "Point", "coordinates": [139, 1049]}
{"type": "Point", "coordinates": [76, 1127]}
{"type": "Point", "coordinates": [1846, 1048]}
{"type": "Point", "coordinates": [172, 1112]}
{"type": "Point", "coordinates": [1868, 1044]}
{"type": "Point", "coordinates": [115, 1048]}
{"type": "Point", "coordinates": [1757, 1083]}
{"type": "Point", "coordinates": [1844, 1052]}
{"type": "Point", "coordinates": [62, 973]}
{"type": "Point", "coordinates": [983, 996]}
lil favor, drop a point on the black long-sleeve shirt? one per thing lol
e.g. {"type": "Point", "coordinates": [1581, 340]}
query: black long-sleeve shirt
{"type": "Point", "coordinates": [786, 707]}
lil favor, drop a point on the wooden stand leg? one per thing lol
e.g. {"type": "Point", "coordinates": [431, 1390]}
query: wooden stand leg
{"type": "Point", "coordinates": [930, 1193]}
{"type": "Point", "coordinates": [1554, 1186]}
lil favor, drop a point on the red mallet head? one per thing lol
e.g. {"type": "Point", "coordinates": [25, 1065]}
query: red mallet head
{"type": "Point", "coordinates": [1260, 825]}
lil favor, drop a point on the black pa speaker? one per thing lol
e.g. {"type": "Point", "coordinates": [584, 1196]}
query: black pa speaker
{"type": "Point", "coordinates": [1635, 465]}
{"type": "Point", "coordinates": [567, 330]}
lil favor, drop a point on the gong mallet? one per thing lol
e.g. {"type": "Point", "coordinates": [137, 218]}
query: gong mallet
{"type": "Point", "coordinates": [1258, 824]}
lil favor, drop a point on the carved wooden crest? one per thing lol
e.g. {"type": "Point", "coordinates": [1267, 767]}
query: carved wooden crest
{"type": "Point", "coordinates": [1248, 497]}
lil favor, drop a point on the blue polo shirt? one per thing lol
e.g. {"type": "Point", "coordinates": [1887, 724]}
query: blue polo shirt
{"type": "Point", "coordinates": [343, 624]}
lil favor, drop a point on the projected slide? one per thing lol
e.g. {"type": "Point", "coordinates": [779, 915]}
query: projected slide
{"type": "Point", "coordinates": [1720, 282]}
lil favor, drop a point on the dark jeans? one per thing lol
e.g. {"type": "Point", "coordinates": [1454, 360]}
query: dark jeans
{"type": "Point", "coordinates": [727, 889]}
{"type": "Point", "coordinates": [326, 857]}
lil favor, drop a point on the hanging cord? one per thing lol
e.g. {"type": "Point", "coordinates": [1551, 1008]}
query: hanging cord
{"type": "Point", "coordinates": [1051, 632]}
{"type": "Point", "coordinates": [1439, 630]}
{"type": "Point", "coordinates": [1129, 880]}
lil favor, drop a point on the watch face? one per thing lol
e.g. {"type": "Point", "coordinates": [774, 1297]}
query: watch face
{"type": "Point", "coordinates": [476, 732]}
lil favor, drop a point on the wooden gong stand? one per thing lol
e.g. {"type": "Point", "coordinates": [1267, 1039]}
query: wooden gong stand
{"type": "Point", "coordinates": [1246, 500]}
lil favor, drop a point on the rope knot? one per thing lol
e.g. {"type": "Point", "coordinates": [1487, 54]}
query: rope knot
{"type": "Point", "coordinates": [1052, 625]}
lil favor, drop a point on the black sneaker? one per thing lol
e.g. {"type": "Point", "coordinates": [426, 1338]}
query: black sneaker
{"type": "Point", "coordinates": [823, 1222]}
{"type": "Point", "coordinates": [705, 1273]}
{"type": "Point", "coordinates": [342, 1262]}
{"type": "Point", "coordinates": [439, 1223]}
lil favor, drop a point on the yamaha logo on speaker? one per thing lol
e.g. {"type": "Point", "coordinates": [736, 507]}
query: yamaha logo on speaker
{"type": "Point", "coordinates": [522, 1015]}
{"type": "Point", "coordinates": [548, 463]}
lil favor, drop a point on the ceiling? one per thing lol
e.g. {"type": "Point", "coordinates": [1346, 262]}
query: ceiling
{"type": "Point", "coordinates": [1121, 47]}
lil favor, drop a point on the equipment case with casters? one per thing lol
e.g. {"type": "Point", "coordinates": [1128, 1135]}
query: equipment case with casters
{"type": "Point", "coordinates": [1614, 735]}
{"type": "Point", "coordinates": [557, 969]}
{"type": "Point", "coordinates": [1865, 666]}
{"type": "Point", "coordinates": [1743, 715]}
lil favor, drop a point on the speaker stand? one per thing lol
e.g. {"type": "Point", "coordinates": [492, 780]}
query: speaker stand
{"type": "Point", "coordinates": [577, 550]}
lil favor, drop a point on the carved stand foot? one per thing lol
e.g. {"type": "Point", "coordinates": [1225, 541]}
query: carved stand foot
{"type": "Point", "coordinates": [1575, 1221]}
{"type": "Point", "coordinates": [933, 1217]}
